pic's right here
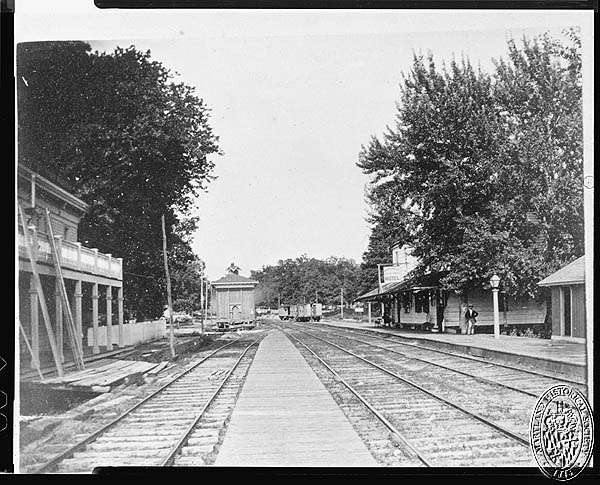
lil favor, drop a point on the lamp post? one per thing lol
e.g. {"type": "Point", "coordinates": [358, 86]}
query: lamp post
{"type": "Point", "coordinates": [495, 282]}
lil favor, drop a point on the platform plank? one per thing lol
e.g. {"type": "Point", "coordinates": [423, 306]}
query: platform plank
{"type": "Point", "coordinates": [116, 374]}
{"type": "Point", "coordinates": [75, 376]}
{"type": "Point", "coordinates": [285, 416]}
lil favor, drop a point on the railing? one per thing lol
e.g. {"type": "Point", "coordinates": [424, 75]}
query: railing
{"type": "Point", "coordinates": [73, 256]}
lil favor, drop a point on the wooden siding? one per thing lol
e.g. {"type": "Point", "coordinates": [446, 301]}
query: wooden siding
{"type": "Point", "coordinates": [244, 297]}
{"type": "Point", "coordinates": [60, 215]}
{"type": "Point", "coordinates": [578, 321]}
{"type": "Point", "coordinates": [519, 313]}
{"type": "Point", "coordinates": [556, 310]}
{"type": "Point", "coordinates": [453, 314]}
{"type": "Point", "coordinates": [417, 318]}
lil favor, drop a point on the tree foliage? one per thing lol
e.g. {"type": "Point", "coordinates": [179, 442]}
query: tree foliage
{"type": "Point", "coordinates": [294, 281]}
{"type": "Point", "coordinates": [116, 130]}
{"type": "Point", "coordinates": [481, 173]}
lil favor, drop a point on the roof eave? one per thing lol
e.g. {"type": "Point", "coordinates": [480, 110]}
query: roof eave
{"type": "Point", "coordinates": [562, 283]}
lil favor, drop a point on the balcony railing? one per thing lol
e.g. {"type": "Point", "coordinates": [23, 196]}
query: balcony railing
{"type": "Point", "coordinates": [73, 256]}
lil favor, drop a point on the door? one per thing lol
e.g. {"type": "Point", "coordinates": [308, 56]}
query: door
{"type": "Point", "coordinates": [440, 301]}
{"type": "Point", "coordinates": [236, 313]}
{"type": "Point", "coordinates": [566, 311]}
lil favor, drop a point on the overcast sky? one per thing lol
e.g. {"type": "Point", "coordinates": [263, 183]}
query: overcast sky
{"type": "Point", "coordinates": [294, 95]}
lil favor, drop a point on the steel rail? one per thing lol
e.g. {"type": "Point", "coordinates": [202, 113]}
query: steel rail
{"type": "Point", "coordinates": [170, 458]}
{"type": "Point", "coordinates": [510, 434]}
{"type": "Point", "coordinates": [379, 416]}
{"type": "Point", "coordinates": [81, 444]}
{"type": "Point", "coordinates": [420, 359]}
{"type": "Point", "coordinates": [466, 357]}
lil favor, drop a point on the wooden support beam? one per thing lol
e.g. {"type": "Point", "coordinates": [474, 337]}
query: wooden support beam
{"type": "Point", "coordinates": [34, 358]}
{"type": "Point", "coordinates": [109, 345]}
{"type": "Point", "coordinates": [56, 246]}
{"type": "Point", "coordinates": [41, 299]}
{"type": "Point", "coordinates": [95, 296]}
{"type": "Point", "coordinates": [78, 297]}
{"type": "Point", "coordinates": [58, 314]}
{"type": "Point", "coordinates": [34, 310]}
{"type": "Point", "coordinates": [120, 314]}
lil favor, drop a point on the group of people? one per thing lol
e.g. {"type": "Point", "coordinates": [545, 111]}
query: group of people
{"type": "Point", "coordinates": [470, 320]}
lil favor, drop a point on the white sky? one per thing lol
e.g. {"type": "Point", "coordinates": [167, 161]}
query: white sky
{"type": "Point", "coordinates": [294, 95]}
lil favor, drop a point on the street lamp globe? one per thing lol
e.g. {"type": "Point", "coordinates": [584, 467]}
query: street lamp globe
{"type": "Point", "coordinates": [495, 281]}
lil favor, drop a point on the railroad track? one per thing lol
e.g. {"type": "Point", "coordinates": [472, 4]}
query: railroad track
{"type": "Point", "coordinates": [431, 428]}
{"type": "Point", "coordinates": [527, 381]}
{"type": "Point", "coordinates": [181, 423]}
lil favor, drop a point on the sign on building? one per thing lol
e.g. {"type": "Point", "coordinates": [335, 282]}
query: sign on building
{"type": "Point", "coordinates": [392, 274]}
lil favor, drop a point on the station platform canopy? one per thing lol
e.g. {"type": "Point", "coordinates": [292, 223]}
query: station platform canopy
{"type": "Point", "coordinates": [415, 283]}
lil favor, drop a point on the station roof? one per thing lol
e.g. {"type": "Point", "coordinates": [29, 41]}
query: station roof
{"type": "Point", "coordinates": [52, 188]}
{"type": "Point", "coordinates": [233, 279]}
{"type": "Point", "coordinates": [410, 284]}
{"type": "Point", "coordinates": [572, 273]}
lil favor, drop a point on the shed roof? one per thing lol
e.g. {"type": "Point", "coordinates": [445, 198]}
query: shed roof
{"type": "Point", "coordinates": [234, 279]}
{"type": "Point", "coordinates": [572, 273]}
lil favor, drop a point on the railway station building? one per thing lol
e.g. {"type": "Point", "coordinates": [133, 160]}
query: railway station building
{"type": "Point", "coordinates": [420, 302]}
{"type": "Point", "coordinates": [567, 286]}
{"type": "Point", "coordinates": [66, 291]}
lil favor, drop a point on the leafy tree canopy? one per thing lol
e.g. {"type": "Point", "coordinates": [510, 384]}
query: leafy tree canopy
{"type": "Point", "coordinates": [117, 131]}
{"type": "Point", "coordinates": [304, 279]}
{"type": "Point", "coordinates": [482, 173]}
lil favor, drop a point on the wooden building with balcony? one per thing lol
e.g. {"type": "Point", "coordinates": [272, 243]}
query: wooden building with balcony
{"type": "Point", "coordinates": [59, 300]}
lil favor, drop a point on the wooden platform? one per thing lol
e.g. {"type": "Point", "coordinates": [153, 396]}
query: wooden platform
{"type": "Point", "coordinates": [285, 417]}
{"type": "Point", "coordinates": [102, 375]}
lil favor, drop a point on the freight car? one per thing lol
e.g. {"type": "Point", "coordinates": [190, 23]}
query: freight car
{"type": "Point", "coordinates": [287, 312]}
{"type": "Point", "coordinates": [301, 313]}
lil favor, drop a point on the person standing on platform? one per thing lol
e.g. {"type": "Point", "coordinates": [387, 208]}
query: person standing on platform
{"type": "Point", "coordinates": [470, 318]}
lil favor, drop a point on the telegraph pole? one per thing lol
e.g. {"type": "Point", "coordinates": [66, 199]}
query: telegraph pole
{"type": "Point", "coordinates": [202, 300]}
{"type": "Point", "coordinates": [342, 301]}
{"type": "Point", "coordinates": [206, 313]}
{"type": "Point", "coordinates": [171, 333]}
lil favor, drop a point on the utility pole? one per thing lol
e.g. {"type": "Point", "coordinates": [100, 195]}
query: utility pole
{"type": "Point", "coordinates": [208, 290]}
{"type": "Point", "coordinates": [206, 285]}
{"type": "Point", "coordinates": [342, 301]}
{"type": "Point", "coordinates": [171, 333]}
{"type": "Point", "coordinates": [202, 300]}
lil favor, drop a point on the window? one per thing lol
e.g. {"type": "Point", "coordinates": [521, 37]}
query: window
{"type": "Point", "coordinates": [422, 302]}
{"type": "Point", "coordinates": [406, 301]}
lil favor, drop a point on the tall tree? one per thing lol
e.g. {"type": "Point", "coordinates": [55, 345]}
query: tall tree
{"type": "Point", "coordinates": [483, 171]}
{"type": "Point", "coordinates": [122, 135]}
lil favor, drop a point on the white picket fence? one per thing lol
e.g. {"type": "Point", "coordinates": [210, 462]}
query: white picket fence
{"type": "Point", "coordinates": [133, 333]}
